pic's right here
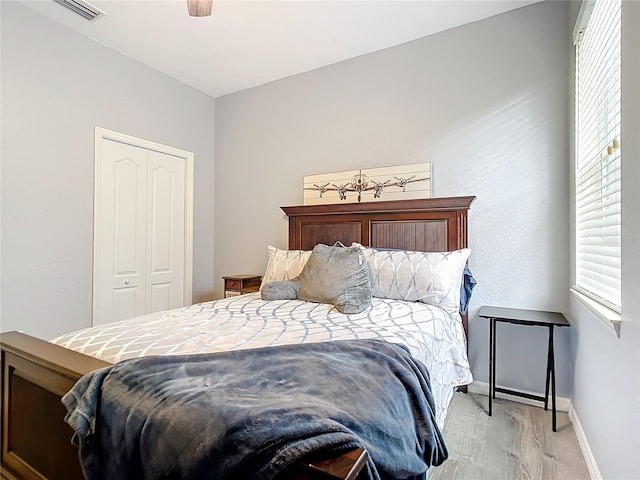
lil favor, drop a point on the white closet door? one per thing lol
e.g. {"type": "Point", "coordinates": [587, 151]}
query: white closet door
{"type": "Point", "coordinates": [143, 239]}
{"type": "Point", "coordinates": [121, 233]}
{"type": "Point", "coordinates": [165, 231]}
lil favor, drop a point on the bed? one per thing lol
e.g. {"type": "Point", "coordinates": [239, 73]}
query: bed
{"type": "Point", "coordinates": [36, 374]}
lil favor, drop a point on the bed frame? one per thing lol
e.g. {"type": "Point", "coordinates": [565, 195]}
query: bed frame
{"type": "Point", "coordinates": [35, 442]}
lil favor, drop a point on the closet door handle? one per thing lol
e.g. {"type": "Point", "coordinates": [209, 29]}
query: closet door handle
{"type": "Point", "coordinates": [126, 282]}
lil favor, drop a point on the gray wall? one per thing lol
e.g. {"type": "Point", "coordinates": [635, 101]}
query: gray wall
{"type": "Point", "coordinates": [606, 394]}
{"type": "Point", "coordinates": [56, 86]}
{"type": "Point", "coordinates": [486, 103]}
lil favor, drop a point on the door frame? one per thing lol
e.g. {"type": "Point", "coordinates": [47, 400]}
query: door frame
{"type": "Point", "coordinates": [102, 134]}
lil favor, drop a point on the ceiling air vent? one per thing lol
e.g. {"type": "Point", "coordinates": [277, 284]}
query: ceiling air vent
{"type": "Point", "coordinates": [82, 8]}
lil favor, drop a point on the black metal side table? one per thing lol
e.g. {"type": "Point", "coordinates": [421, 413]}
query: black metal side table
{"type": "Point", "coordinates": [533, 318]}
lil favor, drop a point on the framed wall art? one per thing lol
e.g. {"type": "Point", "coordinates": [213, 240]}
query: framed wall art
{"type": "Point", "coordinates": [399, 182]}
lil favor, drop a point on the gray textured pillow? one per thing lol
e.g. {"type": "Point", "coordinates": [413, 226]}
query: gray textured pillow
{"type": "Point", "coordinates": [286, 290]}
{"type": "Point", "coordinates": [336, 275]}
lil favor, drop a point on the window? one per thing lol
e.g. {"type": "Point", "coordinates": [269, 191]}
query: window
{"type": "Point", "coordinates": [598, 219]}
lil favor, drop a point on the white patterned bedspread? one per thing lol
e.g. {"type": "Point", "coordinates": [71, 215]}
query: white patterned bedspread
{"type": "Point", "coordinates": [431, 334]}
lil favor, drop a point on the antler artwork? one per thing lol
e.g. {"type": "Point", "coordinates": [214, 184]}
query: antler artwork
{"type": "Point", "coordinates": [360, 183]}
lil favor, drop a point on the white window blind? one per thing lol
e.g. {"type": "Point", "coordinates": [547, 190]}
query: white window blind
{"type": "Point", "coordinates": [598, 219]}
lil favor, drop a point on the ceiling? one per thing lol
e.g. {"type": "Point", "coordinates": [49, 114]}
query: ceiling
{"type": "Point", "coordinates": [248, 43]}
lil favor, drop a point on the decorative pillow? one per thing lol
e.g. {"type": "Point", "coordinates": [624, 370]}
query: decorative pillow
{"type": "Point", "coordinates": [428, 277]}
{"type": "Point", "coordinates": [287, 290]}
{"type": "Point", "coordinates": [336, 275]}
{"type": "Point", "coordinates": [284, 264]}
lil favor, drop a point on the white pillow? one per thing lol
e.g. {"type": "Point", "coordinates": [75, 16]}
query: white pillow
{"type": "Point", "coordinates": [284, 264]}
{"type": "Point", "coordinates": [428, 277]}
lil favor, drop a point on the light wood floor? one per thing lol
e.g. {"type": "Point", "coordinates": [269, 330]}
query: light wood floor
{"type": "Point", "coordinates": [515, 443]}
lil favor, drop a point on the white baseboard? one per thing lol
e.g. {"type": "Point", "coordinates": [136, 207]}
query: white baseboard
{"type": "Point", "coordinates": [592, 466]}
{"type": "Point", "coordinates": [562, 403]}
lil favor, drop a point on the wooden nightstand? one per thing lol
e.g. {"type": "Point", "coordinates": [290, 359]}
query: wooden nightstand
{"type": "Point", "coordinates": [239, 284]}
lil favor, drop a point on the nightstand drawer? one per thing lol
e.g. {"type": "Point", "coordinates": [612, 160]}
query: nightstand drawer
{"type": "Point", "coordinates": [232, 284]}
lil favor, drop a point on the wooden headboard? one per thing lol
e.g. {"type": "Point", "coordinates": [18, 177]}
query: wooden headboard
{"type": "Point", "coordinates": [428, 225]}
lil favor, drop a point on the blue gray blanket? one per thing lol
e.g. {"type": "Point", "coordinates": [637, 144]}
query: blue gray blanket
{"type": "Point", "coordinates": [251, 413]}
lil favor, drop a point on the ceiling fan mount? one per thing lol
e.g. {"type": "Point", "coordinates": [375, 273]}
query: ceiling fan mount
{"type": "Point", "coordinates": [199, 8]}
